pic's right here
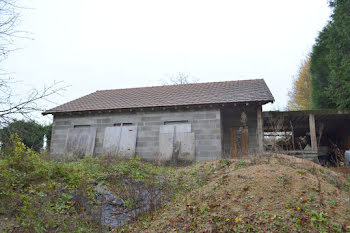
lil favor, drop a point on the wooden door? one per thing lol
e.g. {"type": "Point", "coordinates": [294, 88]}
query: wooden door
{"type": "Point", "coordinates": [234, 149]}
{"type": "Point", "coordinates": [244, 140]}
{"type": "Point", "coordinates": [239, 141]}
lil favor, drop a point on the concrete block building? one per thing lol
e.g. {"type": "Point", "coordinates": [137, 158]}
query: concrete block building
{"type": "Point", "coordinates": [189, 122]}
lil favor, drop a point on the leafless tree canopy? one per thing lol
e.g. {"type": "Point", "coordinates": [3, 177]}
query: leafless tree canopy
{"type": "Point", "coordinates": [179, 78]}
{"type": "Point", "coordinates": [13, 105]}
{"type": "Point", "coordinates": [9, 18]}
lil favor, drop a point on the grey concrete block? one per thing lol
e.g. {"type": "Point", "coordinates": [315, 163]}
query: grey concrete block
{"type": "Point", "coordinates": [208, 148]}
{"type": "Point", "coordinates": [205, 125]}
{"type": "Point", "coordinates": [62, 123]}
{"type": "Point", "coordinates": [143, 133]}
{"type": "Point", "coordinates": [210, 136]}
{"type": "Point", "coordinates": [149, 128]}
{"type": "Point", "coordinates": [211, 115]}
{"type": "Point", "coordinates": [59, 140]}
{"type": "Point", "coordinates": [60, 127]}
{"type": "Point", "coordinates": [153, 123]}
{"type": "Point", "coordinates": [204, 131]}
{"type": "Point", "coordinates": [103, 121]}
{"type": "Point", "coordinates": [212, 142]}
{"type": "Point", "coordinates": [151, 118]}
{"type": "Point", "coordinates": [201, 117]}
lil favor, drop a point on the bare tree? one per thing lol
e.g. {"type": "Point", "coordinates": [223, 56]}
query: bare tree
{"type": "Point", "coordinates": [9, 19]}
{"type": "Point", "coordinates": [178, 79]}
{"type": "Point", "coordinates": [11, 104]}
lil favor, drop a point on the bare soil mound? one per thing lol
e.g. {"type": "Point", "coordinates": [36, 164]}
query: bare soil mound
{"type": "Point", "coordinates": [272, 193]}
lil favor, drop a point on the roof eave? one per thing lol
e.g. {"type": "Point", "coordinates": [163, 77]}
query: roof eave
{"type": "Point", "coordinates": [260, 102]}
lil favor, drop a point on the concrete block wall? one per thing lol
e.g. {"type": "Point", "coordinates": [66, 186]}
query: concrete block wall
{"type": "Point", "coordinates": [206, 124]}
{"type": "Point", "coordinates": [231, 117]}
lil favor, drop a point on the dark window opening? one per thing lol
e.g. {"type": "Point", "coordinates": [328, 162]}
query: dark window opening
{"type": "Point", "coordinates": [175, 122]}
{"type": "Point", "coordinates": [123, 124]}
{"type": "Point", "coordinates": [81, 126]}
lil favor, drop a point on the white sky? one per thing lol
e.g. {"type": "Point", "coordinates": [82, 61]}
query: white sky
{"type": "Point", "coordinates": [105, 44]}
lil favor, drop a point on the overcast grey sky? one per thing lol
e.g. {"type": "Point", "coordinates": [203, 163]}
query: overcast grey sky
{"type": "Point", "coordinates": [108, 44]}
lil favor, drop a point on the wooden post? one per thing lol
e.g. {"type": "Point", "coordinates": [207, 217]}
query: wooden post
{"type": "Point", "coordinates": [259, 130]}
{"type": "Point", "coordinates": [313, 132]}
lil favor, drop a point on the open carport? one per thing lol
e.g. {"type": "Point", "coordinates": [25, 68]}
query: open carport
{"type": "Point", "coordinates": [312, 134]}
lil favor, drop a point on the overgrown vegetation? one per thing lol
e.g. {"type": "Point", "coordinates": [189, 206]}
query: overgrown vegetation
{"type": "Point", "coordinates": [42, 196]}
{"type": "Point", "coordinates": [37, 195]}
{"type": "Point", "coordinates": [267, 193]}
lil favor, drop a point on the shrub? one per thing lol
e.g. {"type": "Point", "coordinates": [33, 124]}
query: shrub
{"type": "Point", "coordinates": [44, 195]}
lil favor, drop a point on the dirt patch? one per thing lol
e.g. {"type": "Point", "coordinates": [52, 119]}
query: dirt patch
{"type": "Point", "coordinates": [344, 170]}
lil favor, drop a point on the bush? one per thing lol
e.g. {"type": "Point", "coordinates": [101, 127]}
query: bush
{"type": "Point", "coordinates": [43, 195]}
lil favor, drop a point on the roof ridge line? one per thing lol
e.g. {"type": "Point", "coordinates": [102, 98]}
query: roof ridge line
{"type": "Point", "coordinates": [185, 84]}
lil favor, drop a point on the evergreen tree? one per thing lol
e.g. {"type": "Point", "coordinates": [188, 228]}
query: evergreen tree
{"type": "Point", "coordinates": [330, 60]}
{"type": "Point", "coordinates": [31, 133]}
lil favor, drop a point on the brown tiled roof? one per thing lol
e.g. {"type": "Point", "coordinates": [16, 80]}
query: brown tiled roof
{"type": "Point", "coordinates": [174, 95]}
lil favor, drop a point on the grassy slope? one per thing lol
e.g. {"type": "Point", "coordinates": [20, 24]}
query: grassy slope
{"type": "Point", "coordinates": [269, 193]}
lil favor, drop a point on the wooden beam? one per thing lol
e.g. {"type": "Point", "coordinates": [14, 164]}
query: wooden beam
{"type": "Point", "coordinates": [313, 132]}
{"type": "Point", "coordinates": [259, 130]}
